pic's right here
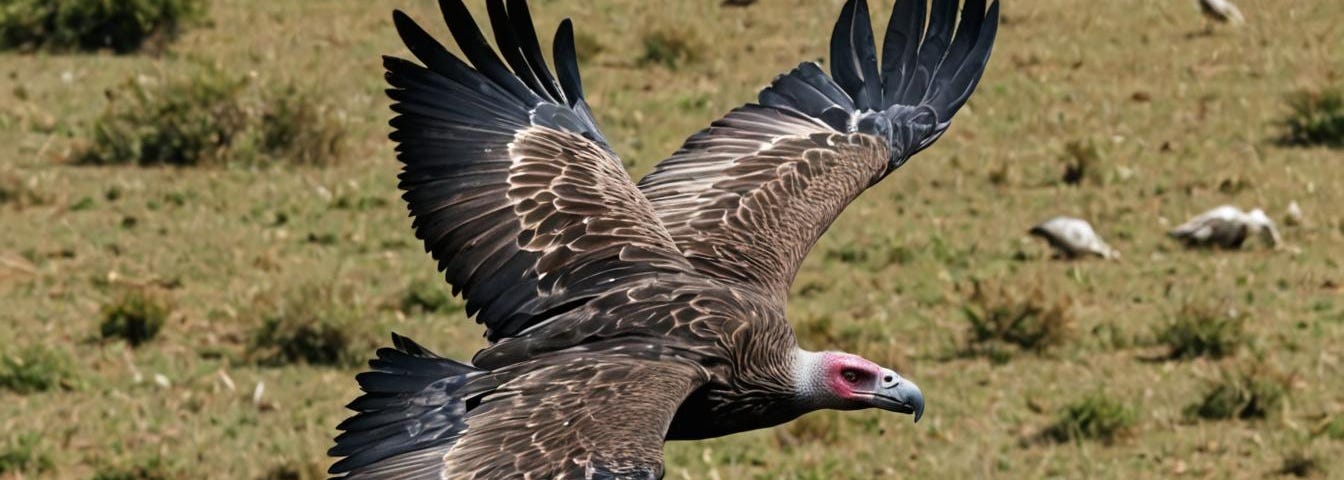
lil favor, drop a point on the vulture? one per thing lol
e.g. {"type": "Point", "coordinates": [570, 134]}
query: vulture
{"type": "Point", "coordinates": [620, 315]}
{"type": "Point", "coordinates": [1221, 11]}
{"type": "Point", "coordinates": [1073, 238]}
{"type": "Point", "coordinates": [1227, 227]}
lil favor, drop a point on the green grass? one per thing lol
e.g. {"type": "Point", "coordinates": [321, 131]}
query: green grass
{"type": "Point", "coordinates": [35, 369]}
{"type": "Point", "coordinates": [23, 454]}
{"type": "Point", "coordinates": [225, 241]}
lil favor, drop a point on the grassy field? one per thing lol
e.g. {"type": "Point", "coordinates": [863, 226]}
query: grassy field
{"type": "Point", "coordinates": [1177, 120]}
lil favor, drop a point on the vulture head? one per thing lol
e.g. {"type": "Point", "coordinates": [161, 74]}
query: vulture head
{"type": "Point", "coordinates": [843, 381]}
{"type": "Point", "coordinates": [1261, 223]}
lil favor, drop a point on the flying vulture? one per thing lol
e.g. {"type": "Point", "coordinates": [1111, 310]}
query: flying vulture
{"type": "Point", "coordinates": [1227, 227]}
{"type": "Point", "coordinates": [621, 315]}
{"type": "Point", "coordinates": [1073, 238]}
{"type": "Point", "coordinates": [1221, 11]}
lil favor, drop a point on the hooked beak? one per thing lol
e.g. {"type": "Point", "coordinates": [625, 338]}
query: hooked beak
{"type": "Point", "coordinates": [898, 395]}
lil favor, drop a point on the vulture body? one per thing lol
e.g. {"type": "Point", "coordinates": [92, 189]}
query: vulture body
{"type": "Point", "coordinates": [1221, 11]}
{"type": "Point", "coordinates": [621, 315]}
{"type": "Point", "coordinates": [1073, 238]}
{"type": "Point", "coordinates": [1226, 227]}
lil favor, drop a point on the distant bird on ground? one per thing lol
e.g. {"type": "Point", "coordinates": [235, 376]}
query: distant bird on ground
{"type": "Point", "coordinates": [621, 315]}
{"type": "Point", "coordinates": [1227, 227]}
{"type": "Point", "coordinates": [1073, 238]}
{"type": "Point", "coordinates": [1293, 216]}
{"type": "Point", "coordinates": [738, 3]}
{"type": "Point", "coordinates": [1221, 11]}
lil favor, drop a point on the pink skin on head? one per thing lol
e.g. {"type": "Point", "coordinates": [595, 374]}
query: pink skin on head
{"type": "Point", "coordinates": [847, 374]}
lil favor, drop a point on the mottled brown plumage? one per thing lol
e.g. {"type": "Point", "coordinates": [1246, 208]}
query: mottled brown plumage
{"type": "Point", "coordinates": [622, 315]}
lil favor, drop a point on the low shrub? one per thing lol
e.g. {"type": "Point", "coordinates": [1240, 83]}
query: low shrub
{"type": "Point", "coordinates": [312, 324]}
{"type": "Point", "coordinates": [671, 47]}
{"type": "Point", "coordinates": [135, 316]}
{"type": "Point", "coordinates": [1203, 330]}
{"type": "Point", "coordinates": [1302, 465]}
{"type": "Point", "coordinates": [1243, 393]}
{"type": "Point", "coordinates": [123, 26]}
{"type": "Point", "coordinates": [1094, 417]}
{"type": "Point", "coordinates": [213, 118]}
{"type": "Point", "coordinates": [1316, 118]}
{"type": "Point", "coordinates": [429, 296]}
{"type": "Point", "coordinates": [1000, 314]}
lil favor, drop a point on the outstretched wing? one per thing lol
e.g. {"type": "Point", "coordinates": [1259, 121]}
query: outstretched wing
{"type": "Point", "coordinates": [513, 188]}
{"type": "Point", "coordinates": [747, 198]}
{"type": "Point", "coordinates": [589, 416]}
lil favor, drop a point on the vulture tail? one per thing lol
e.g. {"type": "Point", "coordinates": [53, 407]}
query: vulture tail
{"type": "Point", "coordinates": [413, 401]}
{"type": "Point", "coordinates": [928, 70]}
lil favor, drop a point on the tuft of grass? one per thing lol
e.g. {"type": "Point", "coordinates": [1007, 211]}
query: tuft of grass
{"type": "Point", "coordinates": [312, 324]}
{"type": "Point", "coordinates": [121, 26]}
{"type": "Point", "coordinates": [15, 191]}
{"type": "Point", "coordinates": [429, 296]}
{"type": "Point", "coordinates": [1203, 330]}
{"type": "Point", "coordinates": [1082, 161]}
{"type": "Point", "coordinates": [35, 369]}
{"type": "Point", "coordinates": [1301, 465]}
{"type": "Point", "coordinates": [587, 46]}
{"type": "Point", "coordinates": [135, 316]}
{"type": "Point", "coordinates": [999, 314]}
{"type": "Point", "coordinates": [301, 130]}
{"type": "Point", "coordinates": [1317, 118]}
{"type": "Point", "coordinates": [296, 471]}
{"type": "Point", "coordinates": [1094, 417]}
{"type": "Point", "coordinates": [1245, 393]}
{"type": "Point", "coordinates": [22, 455]}
{"type": "Point", "coordinates": [671, 47]}
{"type": "Point", "coordinates": [213, 118]}
{"type": "Point", "coordinates": [154, 468]}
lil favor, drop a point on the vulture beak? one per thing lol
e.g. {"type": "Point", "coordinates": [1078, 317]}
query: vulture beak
{"type": "Point", "coordinates": [896, 394]}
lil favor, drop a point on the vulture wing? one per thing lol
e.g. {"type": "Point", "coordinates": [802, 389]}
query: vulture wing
{"type": "Point", "coordinates": [747, 198]}
{"type": "Point", "coordinates": [592, 416]}
{"type": "Point", "coordinates": [513, 189]}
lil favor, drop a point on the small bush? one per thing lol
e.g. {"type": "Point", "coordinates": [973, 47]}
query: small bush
{"type": "Point", "coordinates": [1246, 393]}
{"type": "Point", "coordinates": [123, 26]}
{"type": "Point", "coordinates": [429, 296]}
{"type": "Point", "coordinates": [35, 369]}
{"type": "Point", "coordinates": [313, 324]}
{"type": "Point", "coordinates": [21, 455]}
{"type": "Point", "coordinates": [136, 317]}
{"type": "Point", "coordinates": [1301, 465]}
{"type": "Point", "coordinates": [213, 118]}
{"type": "Point", "coordinates": [1095, 417]}
{"type": "Point", "coordinates": [998, 314]}
{"type": "Point", "coordinates": [671, 47]}
{"type": "Point", "coordinates": [1203, 330]}
{"type": "Point", "coordinates": [1082, 161]}
{"type": "Point", "coordinates": [1317, 118]}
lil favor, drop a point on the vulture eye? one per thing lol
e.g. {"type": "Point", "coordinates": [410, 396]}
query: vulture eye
{"type": "Point", "coordinates": [850, 376]}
